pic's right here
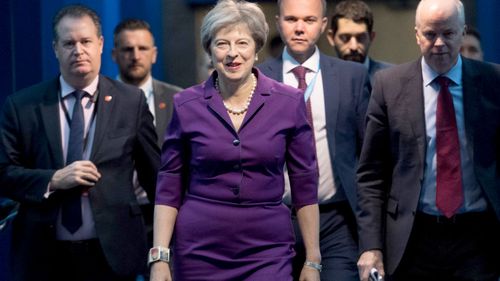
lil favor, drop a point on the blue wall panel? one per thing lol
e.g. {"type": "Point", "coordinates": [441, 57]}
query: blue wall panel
{"type": "Point", "coordinates": [488, 25]}
{"type": "Point", "coordinates": [32, 57]}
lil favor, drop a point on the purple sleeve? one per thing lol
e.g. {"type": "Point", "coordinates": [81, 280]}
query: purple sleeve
{"type": "Point", "coordinates": [169, 186]}
{"type": "Point", "coordinates": [301, 161]}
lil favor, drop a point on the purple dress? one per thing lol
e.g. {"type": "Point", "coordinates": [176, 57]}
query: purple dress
{"type": "Point", "coordinates": [228, 185]}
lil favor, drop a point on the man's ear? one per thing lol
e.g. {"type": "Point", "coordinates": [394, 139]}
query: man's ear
{"type": "Point", "coordinates": [324, 24]}
{"type": "Point", "coordinates": [155, 54]}
{"type": "Point", "coordinates": [277, 22]}
{"type": "Point", "coordinates": [330, 36]}
{"type": "Point", "coordinates": [416, 36]}
{"type": "Point", "coordinates": [54, 48]}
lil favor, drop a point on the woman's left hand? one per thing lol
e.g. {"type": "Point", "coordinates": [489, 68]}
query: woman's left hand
{"type": "Point", "coordinates": [309, 274]}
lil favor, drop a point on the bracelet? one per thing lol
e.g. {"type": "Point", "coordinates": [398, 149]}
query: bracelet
{"type": "Point", "coordinates": [158, 253]}
{"type": "Point", "coordinates": [314, 265]}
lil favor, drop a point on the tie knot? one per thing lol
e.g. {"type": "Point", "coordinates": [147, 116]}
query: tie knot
{"type": "Point", "coordinates": [299, 72]}
{"type": "Point", "coordinates": [443, 81]}
{"type": "Point", "coordinates": [79, 94]}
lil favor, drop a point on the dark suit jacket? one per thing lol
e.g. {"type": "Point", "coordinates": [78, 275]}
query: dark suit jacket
{"type": "Point", "coordinates": [346, 93]}
{"type": "Point", "coordinates": [391, 167]}
{"type": "Point", "coordinates": [375, 66]}
{"type": "Point", "coordinates": [30, 153]}
{"type": "Point", "coordinates": [164, 106]}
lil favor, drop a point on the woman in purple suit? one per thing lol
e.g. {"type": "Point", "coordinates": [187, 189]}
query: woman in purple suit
{"type": "Point", "coordinates": [219, 190]}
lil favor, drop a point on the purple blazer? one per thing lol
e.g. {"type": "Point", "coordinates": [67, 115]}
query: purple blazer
{"type": "Point", "coordinates": [203, 155]}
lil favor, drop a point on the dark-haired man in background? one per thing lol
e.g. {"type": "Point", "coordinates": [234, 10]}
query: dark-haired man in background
{"type": "Point", "coordinates": [471, 46]}
{"type": "Point", "coordinates": [351, 34]}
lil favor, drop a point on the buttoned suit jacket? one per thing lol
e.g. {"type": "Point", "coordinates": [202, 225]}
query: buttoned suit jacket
{"type": "Point", "coordinates": [391, 168]}
{"type": "Point", "coordinates": [163, 99]}
{"type": "Point", "coordinates": [31, 152]}
{"type": "Point", "coordinates": [346, 94]}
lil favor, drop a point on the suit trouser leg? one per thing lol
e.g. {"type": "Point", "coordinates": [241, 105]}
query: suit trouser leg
{"type": "Point", "coordinates": [338, 244]}
{"type": "Point", "coordinates": [83, 261]}
{"type": "Point", "coordinates": [454, 251]}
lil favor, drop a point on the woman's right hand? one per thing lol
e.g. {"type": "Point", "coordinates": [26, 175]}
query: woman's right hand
{"type": "Point", "coordinates": [160, 271]}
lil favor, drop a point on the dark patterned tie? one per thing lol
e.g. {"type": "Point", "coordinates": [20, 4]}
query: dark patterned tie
{"type": "Point", "coordinates": [300, 75]}
{"type": "Point", "coordinates": [71, 217]}
{"type": "Point", "coordinates": [449, 193]}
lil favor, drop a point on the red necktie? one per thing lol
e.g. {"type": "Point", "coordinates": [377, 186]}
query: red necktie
{"type": "Point", "coordinates": [300, 74]}
{"type": "Point", "coordinates": [449, 193]}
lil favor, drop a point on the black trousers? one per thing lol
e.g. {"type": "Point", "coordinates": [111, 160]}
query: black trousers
{"type": "Point", "coordinates": [338, 244]}
{"type": "Point", "coordinates": [463, 248]}
{"type": "Point", "coordinates": [82, 261]}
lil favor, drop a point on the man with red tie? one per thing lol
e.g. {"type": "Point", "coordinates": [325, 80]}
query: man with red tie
{"type": "Point", "coordinates": [336, 94]}
{"type": "Point", "coordinates": [429, 174]}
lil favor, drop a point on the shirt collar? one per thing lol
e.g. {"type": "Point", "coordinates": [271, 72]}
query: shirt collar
{"type": "Point", "coordinates": [454, 74]}
{"type": "Point", "coordinates": [147, 87]}
{"type": "Point", "coordinates": [67, 89]}
{"type": "Point", "coordinates": [312, 63]}
{"type": "Point", "coordinates": [367, 62]}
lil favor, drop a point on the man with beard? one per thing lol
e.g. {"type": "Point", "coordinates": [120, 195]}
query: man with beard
{"type": "Point", "coordinates": [135, 53]}
{"type": "Point", "coordinates": [351, 34]}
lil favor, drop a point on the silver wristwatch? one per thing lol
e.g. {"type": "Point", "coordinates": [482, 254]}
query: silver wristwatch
{"type": "Point", "coordinates": [158, 253]}
{"type": "Point", "coordinates": [314, 265]}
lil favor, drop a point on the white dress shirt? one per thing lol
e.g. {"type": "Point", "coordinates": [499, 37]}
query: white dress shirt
{"type": "Point", "coordinates": [326, 188]}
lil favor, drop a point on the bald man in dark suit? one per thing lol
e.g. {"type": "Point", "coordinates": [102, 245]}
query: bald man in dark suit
{"type": "Point", "coordinates": [429, 180]}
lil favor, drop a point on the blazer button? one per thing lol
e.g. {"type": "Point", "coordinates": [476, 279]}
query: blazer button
{"type": "Point", "coordinates": [236, 142]}
{"type": "Point", "coordinates": [235, 190]}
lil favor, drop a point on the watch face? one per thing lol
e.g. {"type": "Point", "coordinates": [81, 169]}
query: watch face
{"type": "Point", "coordinates": [155, 253]}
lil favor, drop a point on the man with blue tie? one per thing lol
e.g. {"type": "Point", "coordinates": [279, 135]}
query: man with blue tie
{"type": "Point", "coordinates": [429, 171]}
{"type": "Point", "coordinates": [68, 149]}
{"type": "Point", "coordinates": [336, 94]}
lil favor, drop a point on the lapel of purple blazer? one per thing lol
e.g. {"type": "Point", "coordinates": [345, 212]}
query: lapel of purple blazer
{"type": "Point", "coordinates": [215, 103]}
{"type": "Point", "coordinates": [262, 91]}
{"type": "Point", "coordinates": [49, 111]}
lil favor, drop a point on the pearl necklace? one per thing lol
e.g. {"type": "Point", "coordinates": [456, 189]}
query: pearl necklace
{"type": "Point", "coordinates": [247, 103]}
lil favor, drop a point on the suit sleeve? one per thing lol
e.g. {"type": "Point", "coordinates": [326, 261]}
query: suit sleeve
{"type": "Point", "coordinates": [17, 180]}
{"type": "Point", "coordinates": [374, 172]}
{"type": "Point", "coordinates": [146, 150]}
{"type": "Point", "coordinates": [301, 163]}
{"type": "Point", "coordinates": [172, 171]}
